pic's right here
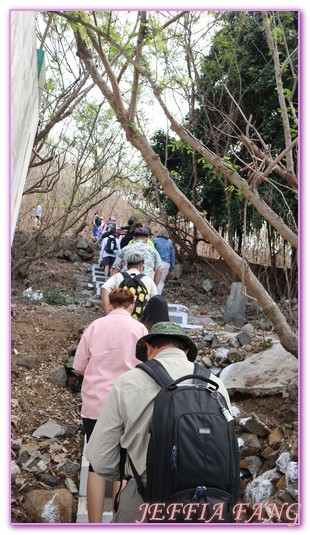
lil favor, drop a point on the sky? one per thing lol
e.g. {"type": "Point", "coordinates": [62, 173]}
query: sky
{"type": "Point", "coordinates": [5, 6]}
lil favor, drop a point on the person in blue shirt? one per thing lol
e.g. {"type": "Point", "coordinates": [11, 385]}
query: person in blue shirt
{"type": "Point", "coordinates": [164, 247]}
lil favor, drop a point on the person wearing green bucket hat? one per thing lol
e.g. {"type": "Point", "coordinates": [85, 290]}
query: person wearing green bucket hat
{"type": "Point", "coordinates": [125, 419]}
{"type": "Point", "coordinates": [166, 329]}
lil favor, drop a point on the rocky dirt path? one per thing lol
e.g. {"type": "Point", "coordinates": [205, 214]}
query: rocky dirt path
{"type": "Point", "coordinates": [45, 335]}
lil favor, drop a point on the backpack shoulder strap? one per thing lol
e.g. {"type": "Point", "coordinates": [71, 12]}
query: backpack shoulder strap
{"type": "Point", "coordinates": [157, 371]}
{"type": "Point", "coordinates": [139, 278]}
{"type": "Point", "coordinates": [201, 370]}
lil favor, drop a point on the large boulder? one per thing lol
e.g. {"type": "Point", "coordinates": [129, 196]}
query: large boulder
{"type": "Point", "coordinates": [49, 506]}
{"type": "Point", "coordinates": [235, 305]}
{"type": "Point", "coordinates": [270, 372]}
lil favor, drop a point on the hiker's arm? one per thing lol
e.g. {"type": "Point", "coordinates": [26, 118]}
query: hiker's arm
{"type": "Point", "coordinates": [105, 300]}
{"type": "Point", "coordinates": [157, 276]}
{"type": "Point", "coordinates": [82, 354]}
{"type": "Point", "coordinates": [103, 448]}
{"type": "Point", "coordinates": [158, 267]}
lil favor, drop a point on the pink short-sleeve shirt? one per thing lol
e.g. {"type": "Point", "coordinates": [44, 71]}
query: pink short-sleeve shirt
{"type": "Point", "coordinates": [106, 351]}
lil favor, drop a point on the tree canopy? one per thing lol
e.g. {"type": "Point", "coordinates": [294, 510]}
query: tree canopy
{"type": "Point", "coordinates": [227, 85]}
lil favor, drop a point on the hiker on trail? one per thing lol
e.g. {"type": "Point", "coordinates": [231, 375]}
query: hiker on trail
{"type": "Point", "coordinates": [97, 226]}
{"type": "Point", "coordinates": [110, 227]}
{"type": "Point", "coordinates": [106, 223]}
{"type": "Point", "coordinates": [165, 249]}
{"type": "Point", "coordinates": [110, 246]}
{"type": "Point", "coordinates": [105, 351]}
{"type": "Point", "coordinates": [156, 310]}
{"type": "Point", "coordinates": [153, 265]}
{"type": "Point", "coordinates": [135, 265]}
{"type": "Point", "coordinates": [38, 214]}
{"type": "Point", "coordinates": [148, 241]}
{"type": "Point", "coordinates": [129, 235]}
{"type": "Point", "coordinates": [123, 231]}
{"type": "Point", "coordinates": [125, 419]}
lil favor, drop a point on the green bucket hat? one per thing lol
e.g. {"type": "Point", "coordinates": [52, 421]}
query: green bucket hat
{"type": "Point", "coordinates": [165, 328]}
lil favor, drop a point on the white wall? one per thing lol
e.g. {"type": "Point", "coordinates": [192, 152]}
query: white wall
{"type": "Point", "coordinates": [24, 103]}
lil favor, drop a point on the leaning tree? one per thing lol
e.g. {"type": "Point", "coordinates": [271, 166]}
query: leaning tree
{"type": "Point", "coordinates": [119, 54]}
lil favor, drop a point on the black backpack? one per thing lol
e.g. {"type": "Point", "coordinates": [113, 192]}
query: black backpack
{"type": "Point", "coordinates": [193, 455]}
{"type": "Point", "coordinates": [111, 245]}
{"type": "Point", "coordinates": [133, 282]}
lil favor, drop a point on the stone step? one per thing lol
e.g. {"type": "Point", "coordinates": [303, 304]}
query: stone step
{"type": "Point", "coordinates": [177, 307]}
{"type": "Point", "coordinates": [82, 516]}
{"type": "Point", "coordinates": [99, 278]}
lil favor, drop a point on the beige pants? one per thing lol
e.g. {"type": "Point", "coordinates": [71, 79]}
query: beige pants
{"type": "Point", "coordinates": [160, 285]}
{"type": "Point", "coordinates": [129, 503]}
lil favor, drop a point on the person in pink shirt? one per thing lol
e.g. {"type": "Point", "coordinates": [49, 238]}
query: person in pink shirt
{"type": "Point", "coordinates": [106, 350]}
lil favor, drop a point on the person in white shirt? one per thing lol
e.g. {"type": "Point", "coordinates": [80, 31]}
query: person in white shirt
{"type": "Point", "coordinates": [135, 264]}
{"type": "Point", "coordinates": [106, 259]}
{"type": "Point", "coordinates": [38, 214]}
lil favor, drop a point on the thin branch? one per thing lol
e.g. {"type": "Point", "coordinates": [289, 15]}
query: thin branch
{"type": "Point", "coordinates": [290, 178]}
{"type": "Point", "coordinates": [272, 43]}
{"type": "Point", "coordinates": [135, 88]}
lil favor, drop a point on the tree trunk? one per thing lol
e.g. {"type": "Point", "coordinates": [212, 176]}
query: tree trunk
{"type": "Point", "coordinates": [239, 266]}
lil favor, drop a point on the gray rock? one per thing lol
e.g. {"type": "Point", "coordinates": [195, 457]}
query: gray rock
{"type": "Point", "coordinates": [86, 255]}
{"type": "Point", "coordinates": [233, 341]}
{"type": "Point", "coordinates": [82, 278]}
{"type": "Point", "coordinates": [253, 426]}
{"type": "Point", "coordinates": [71, 308]}
{"type": "Point", "coordinates": [283, 460]}
{"type": "Point", "coordinates": [86, 293]}
{"type": "Point", "coordinates": [248, 328]}
{"type": "Point", "coordinates": [68, 467]}
{"type": "Point", "coordinates": [49, 430]}
{"type": "Point", "coordinates": [207, 361]}
{"type": "Point", "coordinates": [230, 328]}
{"type": "Point", "coordinates": [270, 372]}
{"type": "Point", "coordinates": [248, 445]}
{"type": "Point", "coordinates": [27, 362]}
{"type": "Point", "coordinates": [201, 320]}
{"type": "Point", "coordinates": [235, 355]}
{"type": "Point", "coordinates": [36, 462]}
{"type": "Point", "coordinates": [291, 475]}
{"type": "Point", "coordinates": [58, 377]}
{"type": "Point", "coordinates": [71, 486]}
{"type": "Point", "coordinates": [208, 337]}
{"type": "Point", "coordinates": [208, 286]}
{"type": "Point", "coordinates": [83, 244]}
{"type": "Point", "coordinates": [254, 464]}
{"type": "Point", "coordinates": [220, 356]}
{"type": "Point", "coordinates": [15, 470]}
{"type": "Point", "coordinates": [244, 338]}
{"type": "Point", "coordinates": [51, 481]}
{"type": "Point", "coordinates": [235, 305]}
{"type": "Point", "coordinates": [89, 304]}
{"type": "Point", "coordinates": [16, 444]}
{"type": "Point", "coordinates": [70, 256]}
{"type": "Point", "coordinates": [71, 429]}
{"type": "Point", "coordinates": [68, 364]}
{"type": "Point", "coordinates": [262, 487]}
